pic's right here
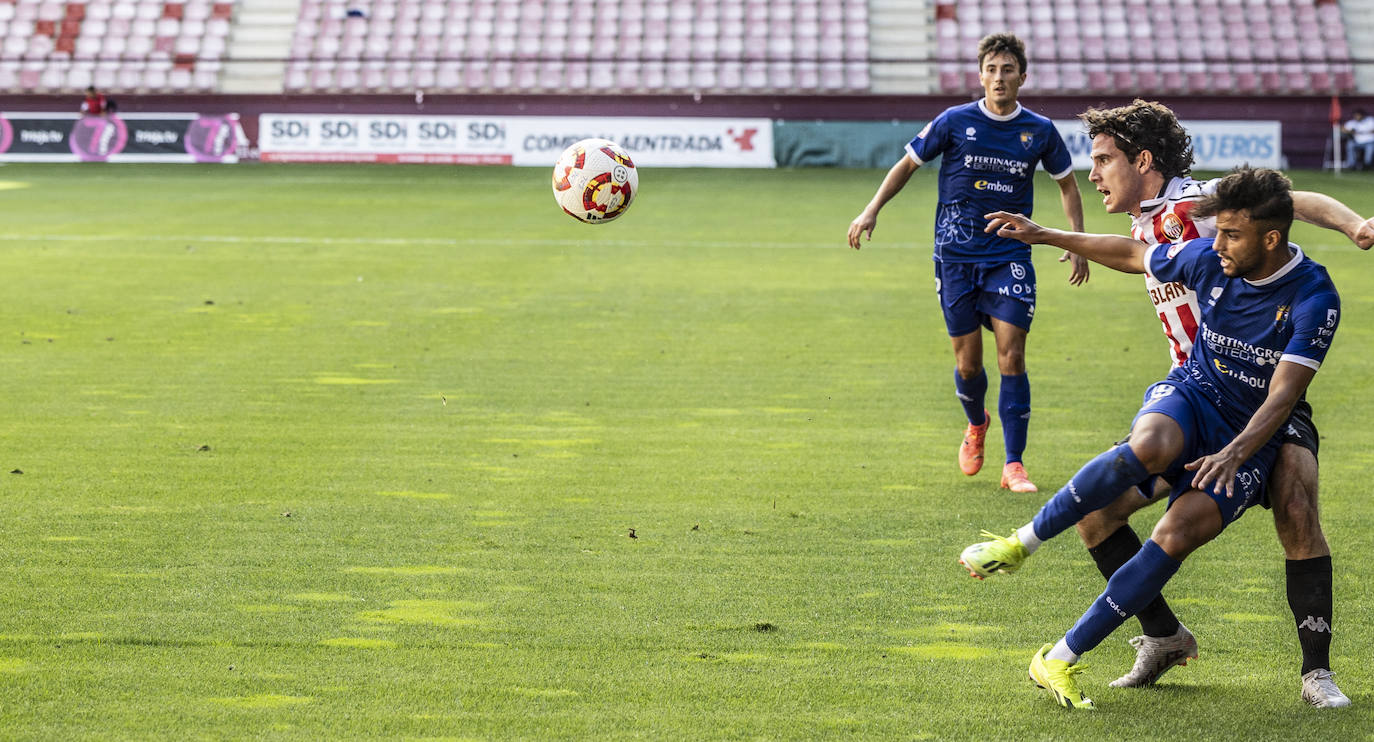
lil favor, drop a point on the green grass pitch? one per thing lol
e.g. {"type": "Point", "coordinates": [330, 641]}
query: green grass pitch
{"type": "Point", "coordinates": [298, 452]}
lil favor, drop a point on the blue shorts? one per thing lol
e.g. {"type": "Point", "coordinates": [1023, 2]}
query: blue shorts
{"type": "Point", "coordinates": [1205, 432]}
{"type": "Point", "coordinates": [972, 293]}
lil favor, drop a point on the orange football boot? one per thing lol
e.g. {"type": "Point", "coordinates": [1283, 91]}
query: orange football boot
{"type": "Point", "coordinates": [971, 450]}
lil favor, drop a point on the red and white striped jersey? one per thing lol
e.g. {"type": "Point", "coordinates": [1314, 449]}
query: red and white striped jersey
{"type": "Point", "coordinates": [1164, 219]}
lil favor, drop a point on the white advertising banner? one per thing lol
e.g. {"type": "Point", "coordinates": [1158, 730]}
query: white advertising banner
{"type": "Point", "coordinates": [1217, 145]}
{"type": "Point", "coordinates": [511, 140]}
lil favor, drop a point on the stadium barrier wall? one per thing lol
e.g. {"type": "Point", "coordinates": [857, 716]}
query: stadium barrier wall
{"type": "Point", "coordinates": [1306, 129]}
{"type": "Point", "coordinates": [511, 140]}
{"type": "Point", "coordinates": [137, 137]}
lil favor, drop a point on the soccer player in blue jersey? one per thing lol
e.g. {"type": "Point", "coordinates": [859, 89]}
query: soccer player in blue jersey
{"type": "Point", "coordinates": [1142, 159]}
{"type": "Point", "coordinates": [1268, 317]}
{"type": "Point", "coordinates": [990, 150]}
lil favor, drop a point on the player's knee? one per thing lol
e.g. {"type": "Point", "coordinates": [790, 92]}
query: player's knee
{"type": "Point", "coordinates": [1012, 362]}
{"type": "Point", "coordinates": [1153, 450]}
{"type": "Point", "coordinates": [967, 369]}
{"type": "Point", "coordinates": [1295, 513]}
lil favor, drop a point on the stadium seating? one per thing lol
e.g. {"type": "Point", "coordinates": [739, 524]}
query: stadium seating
{"type": "Point", "coordinates": [119, 46]}
{"type": "Point", "coordinates": [533, 46]}
{"type": "Point", "coordinates": [1193, 46]}
{"type": "Point", "coordinates": [679, 46]}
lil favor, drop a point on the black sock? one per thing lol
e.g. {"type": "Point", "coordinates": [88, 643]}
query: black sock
{"type": "Point", "coordinates": [1309, 596]}
{"type": "Point", "coordinates": [1156, 619]}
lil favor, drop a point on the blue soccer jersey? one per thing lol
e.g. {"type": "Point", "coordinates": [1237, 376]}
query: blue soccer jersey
{"type": "Point", "coordinates": [989, 162]}
{"type": "Point", "coordinates": [1248, 327]}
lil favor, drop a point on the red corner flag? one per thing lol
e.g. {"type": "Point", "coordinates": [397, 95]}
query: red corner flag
{"type": "Point", "coordinates": [1335, 110]}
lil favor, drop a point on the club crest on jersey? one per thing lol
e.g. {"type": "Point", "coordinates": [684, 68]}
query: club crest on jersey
{"type": "Point", "coordinates": [1281, 316]}
{"type": "Point", "coordinates": [1172, 227]}
{"type": "Point", "coordinates": [1027, 139]}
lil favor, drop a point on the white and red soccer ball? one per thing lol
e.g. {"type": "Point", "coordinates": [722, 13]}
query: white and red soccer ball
{"type": "Point", "coordinates": [595, 181]}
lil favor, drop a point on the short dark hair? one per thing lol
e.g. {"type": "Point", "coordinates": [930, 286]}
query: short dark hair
{"type": "Point", "coordinates": [1266, 195]}
{"type": "Point", "coordinates": [1145, 125]}
{"type": "Point", "coordinates": [998, 43]}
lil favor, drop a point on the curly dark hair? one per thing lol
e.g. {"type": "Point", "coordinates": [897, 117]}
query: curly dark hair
{"type": "Point", "coordinates": [1003, 42]}
{"type": "Point", "coordinates": [1145, 125]}
{"type": "Point", "coordinates": [1267, 195]}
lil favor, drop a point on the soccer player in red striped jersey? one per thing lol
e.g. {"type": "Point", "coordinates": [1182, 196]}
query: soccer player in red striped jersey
{"type": "Point", "coordinates": [1142, 159]}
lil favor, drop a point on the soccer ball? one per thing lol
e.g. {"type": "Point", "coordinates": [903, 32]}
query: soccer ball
{"type": "Point", "coordinates": [595, 181]}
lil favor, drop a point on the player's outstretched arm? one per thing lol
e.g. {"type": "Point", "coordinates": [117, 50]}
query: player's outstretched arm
{"type": "Point", "coordinates": [1073, 210]}
{"type": "Point", "coordinates": [1324, 211]}
{"type": "Point", "coordinates": [1114, 251]}
{"type": "Point", "coordinates": [1218, 470]}
{"type": "Point", "coordinates": [896, 178]}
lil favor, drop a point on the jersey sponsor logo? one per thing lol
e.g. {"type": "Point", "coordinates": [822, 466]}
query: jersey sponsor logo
{"type": "Point", "coordinates": [1254, 382]}
{"type": "Point", "coordinates": [1018, 271]}
{"type": "Point", "coordinates": [992, 185]}
{"type": "Point", "coordinates": [987, 163]}
{"type": "Point", "coordinates": [1027, 139]}
{"type": "Point", "coordinates": [1172, 226]}
{"type": "Point", "coordinates": [1315, 623]}
{"type": "Point", "coordinates": [1241, 350]}
{"type": "Point", "coordinates": [1168, 292]}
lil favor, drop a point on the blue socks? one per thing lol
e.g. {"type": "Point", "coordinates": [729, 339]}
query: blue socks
{"type": "Point", "coordinates": [972, 395]}
{"type": "Point", "coordinates": [1094, 486]}
{"type": "Point", "coordinates": [1129, 590]}
{"type": "Point", "coordinates": [1013, 407]}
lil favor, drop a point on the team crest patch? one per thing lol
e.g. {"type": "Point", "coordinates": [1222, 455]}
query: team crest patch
{"type": "Point", "coordinates": [1172, 227]}
{"type": "Point", "coordinates": [1175, 249]}
{"type": "Point", "coordinates": [1281, 316]}
{"type": "Point", "coordinates": [1027, 139]}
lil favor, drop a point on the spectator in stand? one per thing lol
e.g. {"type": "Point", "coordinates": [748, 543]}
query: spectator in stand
{"type": "Point", "coordinates": [1360, 154]}
{"type": "Point", "coordinates": [95, 103]}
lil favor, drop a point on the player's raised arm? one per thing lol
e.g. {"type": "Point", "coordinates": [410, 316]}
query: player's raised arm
{"type": "Point", "coordinates": [1072, 201]}
{"type": "Point", "coordinates": [1324, 211]}
{"type": "Point", "coordinates": [1114, 251]}
{"type": "Point", "coordinates": [1290, 380]}
{"type": "Point", "coordinates": [895, 180]}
